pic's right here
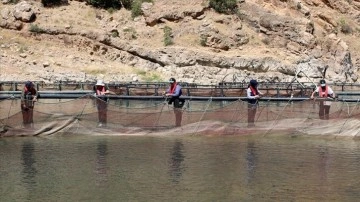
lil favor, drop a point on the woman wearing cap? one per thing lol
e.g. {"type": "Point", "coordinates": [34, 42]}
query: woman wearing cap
{"type": "Point", "coordinates": [324, 91]}
{"type": "Point", "coordinates": [101, 102]}
{"type": "Point", "coordinates": [174, 92]}
{"type": "Point", "coordinates": [253, 95]}
{"type": "Point", "coordinates": [29, 95]}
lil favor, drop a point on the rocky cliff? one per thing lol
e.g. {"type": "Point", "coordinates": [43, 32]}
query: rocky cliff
{"type": "Point", "coordinates": [269, 40]}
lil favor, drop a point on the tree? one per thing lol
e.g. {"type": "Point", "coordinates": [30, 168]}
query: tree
{"type": "Point", "coordinates": [49, 3]}
{"type": "Point", "coordinates": [224, 6]}
{"type": "Point", "coordinates": [105, 3]}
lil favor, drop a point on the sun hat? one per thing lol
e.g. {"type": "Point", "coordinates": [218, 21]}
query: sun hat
{"type": "Point", "coordinates": [322, 82]}
{"type": "Point", "coordinates": [253, 82]}
{"type": "Point", "coordinates": [172, 80]}
{"type": "Point", "coordinates": [100, 83]}
{"type": "Point", "coordinates": [29, 84]}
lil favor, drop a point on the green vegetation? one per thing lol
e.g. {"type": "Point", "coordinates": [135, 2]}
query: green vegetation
{"type": "Point", "coordinates": [168, 40]}
{"type": "Point", "coordinates": [111, 10]}
{"type": "Point", "coordinates": [127, 4]}
{"type": "Point", "coordinates": [36, 29]}
{"type": "Point", "coordinates": [132, 31]}
{"type": "Point", "coordinates": [116, 4]}
{"type": "Point", "coordinates": [113, 5]}
{"type": "Point", "coordinates": [266, 40]}
{"type": "Point", "coordinates": [345, 27]}
{"type": "Point", "coordinates": [152, 77]}
{"type": "Point", "coordinates": [141, 72]}
{"type": "Point", "coordinates": [14, 1]}
{"type": "Point", "coordinates": [136, 7]}
{"type": "Point", "coordinates": [49, 3]}
{"type": "Point", "coordinates": [95, 71]}
{"type": "Point", "coordinates": [114, 33]}
{"type": "Point", "coordinates": [23, 49]}
{"type": "Point", "coordinates": [147, 76]}
{"type": "Point", "coordinates": [224, 6]}
{"type": "Point", "coordinates": [203, 40]}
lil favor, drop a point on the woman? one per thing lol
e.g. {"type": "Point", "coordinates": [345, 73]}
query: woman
{"type": "Point", "coordinates": [174, 92]}
{"type": "Point", "coordinates": [29, 96]}
{"type": "Point", "coordinates": [101, 102]}
{"type": "Point", "coordinates": [324, 91]}
{"type": "Point", "coordinates": [253, 95]}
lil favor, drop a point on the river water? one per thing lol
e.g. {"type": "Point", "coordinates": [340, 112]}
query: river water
{"type": "Point", "coordinates": [179, 168]}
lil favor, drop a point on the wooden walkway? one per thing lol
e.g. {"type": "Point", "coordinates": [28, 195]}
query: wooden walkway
{"type": "Point", "coordinates": [279, 89]}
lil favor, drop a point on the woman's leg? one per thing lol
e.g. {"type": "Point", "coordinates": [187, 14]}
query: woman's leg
{"type": "Point", "coordinates": [178, 116]}
{"type": "Point", "coordinates": [321, 110]}
{"type": "Point", "coordinates": [251, 114]}
{"type": "Point", "coordinates": [326, 112]}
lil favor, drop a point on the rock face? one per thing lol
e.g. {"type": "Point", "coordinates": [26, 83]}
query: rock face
{"type": "Point", "coordinates": [268, 40]}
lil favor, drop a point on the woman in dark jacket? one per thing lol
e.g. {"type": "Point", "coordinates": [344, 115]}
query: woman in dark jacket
{"type": "Point", "coordinates": [253, 95]}
{"type": "Point", "coordinates": [174, 92]}
{"type": "Point", "coordinates": [29, 96]}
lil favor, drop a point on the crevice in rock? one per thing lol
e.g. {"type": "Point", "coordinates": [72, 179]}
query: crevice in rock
{"type": "Point", "coordinates": [327, 3]}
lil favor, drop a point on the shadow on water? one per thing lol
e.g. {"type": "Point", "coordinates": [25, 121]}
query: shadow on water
{"type": "Point", "coordinates": [28, 162]}
{"type": "Point", "coordinates": [176, 168]}
{"type": "Point", "coordinates": [101, 165]}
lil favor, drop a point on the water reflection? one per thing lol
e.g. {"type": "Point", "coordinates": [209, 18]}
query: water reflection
{"type": "Point", "coordinates": [250, 161]}
{"type": "Point", "coordinates": [323, 163]}
{"type": "Point", "coordinates": [179, 169]}
{"type": "Point", "coordinates": [176, 168]}
{"type": "Point", "coordinates": [28, 162]}
{"type": "Point", "coordinates": [101, 166]}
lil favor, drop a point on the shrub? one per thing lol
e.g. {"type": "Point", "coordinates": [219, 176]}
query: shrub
{"type": "Point", "coordinates": [116, 4]}
{"type": "Point", "coordinates": [136, 7]}
{"type": "Point", "coordinates": [36, 29]}
{"type": "Point", "coordinates": [132, 31]}
{"type": "Point", "coordinates": [203, 40]}
{"type": "Point", "coordinates": [127, 3]}
{"type": "Point", "coordinates": [224, 6]}
{"type": "Point", "coordinates": [14, 1]}
{"type": "Point", "coordinates": [168, 36]}
{"type": "Point", "coordinates": [114, 33]}
{"type": "Point", "coordinates": [345, 27]}
{"type": "Point", "coordinates": [266, 40]}
{"type": "Point", "coordinates": [48, 3]}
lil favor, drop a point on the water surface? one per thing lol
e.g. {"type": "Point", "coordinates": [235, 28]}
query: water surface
{"type": "Point", "coordinates": [179, 168]}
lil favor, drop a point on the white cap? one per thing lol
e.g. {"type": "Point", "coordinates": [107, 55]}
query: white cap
{"type": "Point", "coordinates": [99, 83]}
{"type": "Point", "coordinates": [323, 84]}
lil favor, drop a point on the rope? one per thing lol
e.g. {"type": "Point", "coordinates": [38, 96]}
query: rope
{"type": "Point", "coordinates": [233, 114]}
{"type": "Point", "coordinates": [8, 115]}
{"type": "Point", "coordinates": [162, 107]}
{"type": "Point", "coordinates": [261, 111]}
{"type": "Point", "coordinates": [357, 106]}
{"type": "Point", "coordinates": [78, 116]}
{"type": "Point", "coordinates": [278, 117]}
{"type": "Point", "coordinates": [198, 125]}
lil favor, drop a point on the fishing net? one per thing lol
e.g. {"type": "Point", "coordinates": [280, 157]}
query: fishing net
{"type": "Point", "coordinates": [198, 117]}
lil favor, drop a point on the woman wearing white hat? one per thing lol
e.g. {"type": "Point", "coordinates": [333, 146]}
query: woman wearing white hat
{"type": "Point", "coordinates": [101, 101]}
{"type": "Point", "coordinates": [324, 91]}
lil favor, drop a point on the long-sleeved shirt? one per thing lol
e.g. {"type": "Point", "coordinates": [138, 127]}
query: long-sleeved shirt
{"type": "Point", "coordinates": [251, 96]}
{"type": "Point", "coordinates": [25, 98]}
{"type": "Point", "coordinates": [177, 91]}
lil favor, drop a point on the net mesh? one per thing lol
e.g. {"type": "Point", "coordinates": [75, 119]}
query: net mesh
{"type": "Point", "coordinates": [80, 116]}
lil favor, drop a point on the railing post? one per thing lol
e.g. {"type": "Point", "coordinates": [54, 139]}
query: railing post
{"type": "Point", "coordinates": [127, 90]}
